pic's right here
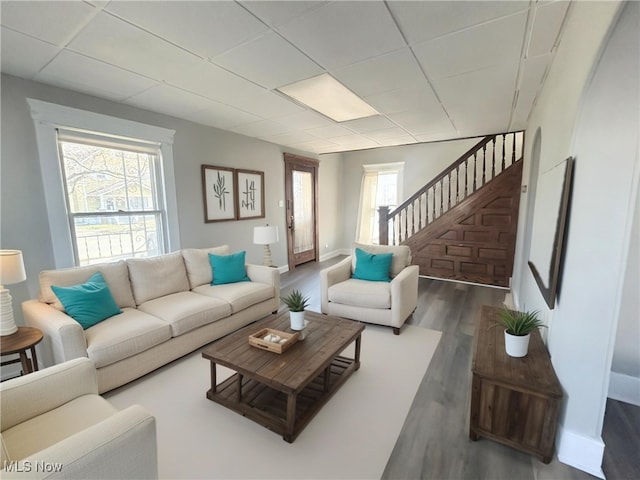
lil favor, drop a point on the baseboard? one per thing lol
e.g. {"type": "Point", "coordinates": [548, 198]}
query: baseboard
{"type": "Point", "coordinates": [624, 388]}
{"type": "Point", "coordinates": [578, 451]}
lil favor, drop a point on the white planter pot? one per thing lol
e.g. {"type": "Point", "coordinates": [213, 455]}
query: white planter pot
{"type": "Point", "coordinates": [297, 320]}
{"type": "Point", "coordinates": [516, 346]}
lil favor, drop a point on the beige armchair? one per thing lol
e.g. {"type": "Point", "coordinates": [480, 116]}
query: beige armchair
{"type": "Point", "coordinates": [55, 425]}
{"type": "Point", "coordinates": [380, 302]}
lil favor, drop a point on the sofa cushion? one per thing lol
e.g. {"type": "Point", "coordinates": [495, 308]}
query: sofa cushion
{"type": "Point", "coordinates": [401, 255]}
{"type": "Point", "coordinates": [372, 267]}
{"type": "Point", "coordinates": [47, 429]}
{"type": "Point", "coordinates": [115, 274]}
{"type": "Point", "coordinates": [196, 260]}
{"type": "Point", "coordinates": [125, 335]}
{"type": "Point", "coordinates": [361, 293]}
{"type": "Point", "coordinates": [156, 277]}
{"type": "Point", "coordinates": [186, 311]}
{"type": "Point", "coordinates": [88, 303]}
{"type": "Point", "coordinates": [228, 268]}
{"type": "Point", "coordinates": [239, 295]}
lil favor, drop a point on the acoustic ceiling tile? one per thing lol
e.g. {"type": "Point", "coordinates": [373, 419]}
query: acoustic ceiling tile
{"type": "Point", "coordinates": [329, 131]}
{"type": "Point", "coordinates": [368, 124]}
{"type": "Point", "coordinates": [304, 120]}
{"type": "Point", "coordinates": [421, 21]}
{"type": "Point", "coordinates": [474, 48]}
{"type": "Point", "coordinates": [533, 70]}
{"type": "Point", "coordinates": [261, 128]}
{"type": "Point", "coordinates": [546, 26]}
{"type": "Point", "coordinates": [221, 116]}
{"type": "Point", "coordinates": [384, 73]}
{"type": "Point", "coordinates": [110, 40]}
{"type": "Point", "coordinates": [268, 60]}
{"type": "Point", "coordinates": [91, 76]}
{"type": "Point", "coordinates": [205, 28]}
{"type": "Point", "coordinates": [404, 99]}
{"type": "Point", "coordinates": [278, 12]}
{"type": "Point", "coordinates": [341, 33]}
{"type": "Point", "coordinates": [53, 22]}
{"type": "Point", "coordinates": [168, 100]}
{"type": "Point", "coordinates": [12, 57]}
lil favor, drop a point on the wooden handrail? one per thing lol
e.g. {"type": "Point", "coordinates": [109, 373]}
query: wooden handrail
{"type": "Point", "coordinates": [443, 174]}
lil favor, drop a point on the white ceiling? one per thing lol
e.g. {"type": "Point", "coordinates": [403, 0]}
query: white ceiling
{"type": "Point", "coordinates": [434, 70]}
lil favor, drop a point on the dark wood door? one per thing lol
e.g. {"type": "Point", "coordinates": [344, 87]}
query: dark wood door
{"type": "Point", "coordinates": [301, 192]}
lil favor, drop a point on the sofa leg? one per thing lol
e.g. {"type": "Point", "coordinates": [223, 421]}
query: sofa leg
{"type": "Point", "coordinates": [396, 330]}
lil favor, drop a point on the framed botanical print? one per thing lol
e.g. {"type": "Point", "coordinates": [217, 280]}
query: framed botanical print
{"type": "Point", "coordinates": [250, 194]}
{"type": "Point", "coordinates": [218, 190]}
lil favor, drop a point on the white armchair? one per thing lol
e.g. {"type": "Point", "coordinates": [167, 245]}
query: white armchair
{"type": "Point", "coordinates": [55, 425]}
{"type": "Point", "coordinates": [379, 302]}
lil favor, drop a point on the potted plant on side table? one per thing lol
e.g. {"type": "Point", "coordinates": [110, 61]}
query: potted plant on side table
{"type": "Point", "coordinates": [518, 328]}
{"type": "Point", "coordinates": [296, 302]}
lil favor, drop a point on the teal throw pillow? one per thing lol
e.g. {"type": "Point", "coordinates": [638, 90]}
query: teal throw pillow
{"type": "Point", "coordinates": [372, 267]}
{"type": "Point", "coordinates": [88, 303]}
{"type": "Point", "coordinates": [228, 268]}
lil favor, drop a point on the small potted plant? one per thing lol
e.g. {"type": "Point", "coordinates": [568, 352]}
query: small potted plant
{"type": "Point", "coordinates": [518, 328]}
{"type": "Point", "coordinates": [296, 303]}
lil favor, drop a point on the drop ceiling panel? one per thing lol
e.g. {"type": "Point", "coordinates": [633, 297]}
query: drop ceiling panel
{"type": "Point", "coordinates": [546, 26]}
{"type": "Point", "coordinates": [278, 13]}
{"type": "Point", "coordinates": [407, 99]}
{"type": "Point", "coordinates": [341, 33]}
{"type": "Point", "coordinates": [13, 59]}
{"type": "Point", "coordinates": [473, 48]}
{"type": "Point", "coordinates": [221, 116]}
{"type": "Point", "coordinates": [304, 120]}
{"type": "Point", "coordinates": [533, 70]}
{"type": "Point", "coordinates": [387, 133]}
{"type": "Point", "coordinates": [420, 21]}
{"type": "Point", "coordinates": [90, 76]}
{"type": "Point", "coordinates": [419, 122]}
{"type": "Point", "coordinates": [111, 40]}
{"type": "Point", "coordinates": [53, 22]}
{"type": "Point", "coordinates": [388, 72]}
{"type": "Point", "coordinates": [369, 124]}
{"type": "Point", "coordinates": [261, 128]}
{"type": "Point", "coordinates": [205, 28]}
{"type": "Point", "coordinates": [168, 100]}
{"type": "Point", "coordinates": [270, 61]}
{"type": "Point", "coordinates": [290, 138]}
{"type": "Point", "coordinates": [329, 131]}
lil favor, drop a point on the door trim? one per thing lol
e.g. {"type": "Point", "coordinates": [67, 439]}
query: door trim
{"type": "Point", "coordinates": [290, 162]}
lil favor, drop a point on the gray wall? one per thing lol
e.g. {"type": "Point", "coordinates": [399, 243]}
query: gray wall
{"type": "Point", "coordinates": [588, 109]}
{"type": "Point", "coordinates": [23, 218]}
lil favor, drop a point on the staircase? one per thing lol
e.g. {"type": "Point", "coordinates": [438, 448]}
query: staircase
{"type": "Point", "coordinates": [462, 224]}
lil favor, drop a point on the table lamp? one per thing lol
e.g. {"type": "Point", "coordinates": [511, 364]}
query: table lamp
{"type": "Point", "coordinates": [11, 271]}
{"type": "Point", "coordinates": [266, 236]}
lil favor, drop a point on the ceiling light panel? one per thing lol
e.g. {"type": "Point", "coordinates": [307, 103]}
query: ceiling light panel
{"type": "Point", "coordinates": [326, 95]}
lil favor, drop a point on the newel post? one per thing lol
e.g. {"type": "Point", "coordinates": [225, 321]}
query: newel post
{"type": "Point", "coordinates": [383, 225]}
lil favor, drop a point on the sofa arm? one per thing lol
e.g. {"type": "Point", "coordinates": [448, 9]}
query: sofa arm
{"type": "Point", "coordinates": [122, 446]}
{"type": "Point", "coordinates": [63, 337]}
{"type": "Point", "coordinates": [337, 273]}
{"type": "Point", "coordinates": [404, 295]}
{"type": "Point", "coordinates": [268, 275]}
{"type": "Point", "coordinates": [31, 395]}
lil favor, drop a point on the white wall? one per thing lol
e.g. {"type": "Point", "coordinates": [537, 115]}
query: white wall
{"type": "Point", "coordinates": [588, 109]}
{"type": "Point", "coordinates": [23, 218]}
{"type": "Point", "coordinates": [422, 163]}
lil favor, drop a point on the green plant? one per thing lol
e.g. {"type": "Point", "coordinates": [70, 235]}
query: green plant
{"type": "Point", "coordinates": [520, 323]}
{"type": "Point", "coordinates": [296, 301]}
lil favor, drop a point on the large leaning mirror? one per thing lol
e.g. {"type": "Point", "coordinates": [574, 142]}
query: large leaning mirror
{"type": "Point", "coordinates": [549, 220]}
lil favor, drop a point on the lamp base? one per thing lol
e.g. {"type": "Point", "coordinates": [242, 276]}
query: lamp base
{"type": "Point", "coordinates": [7, 324]}
{"type": "Point", "coordinates": [267, 257]}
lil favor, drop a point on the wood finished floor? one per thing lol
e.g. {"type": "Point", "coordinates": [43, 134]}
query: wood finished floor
{"type": "Point", "coordinates": [434, 441]}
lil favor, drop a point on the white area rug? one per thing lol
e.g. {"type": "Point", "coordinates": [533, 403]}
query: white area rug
{"type": "Point", "coordinates": [352, 436]}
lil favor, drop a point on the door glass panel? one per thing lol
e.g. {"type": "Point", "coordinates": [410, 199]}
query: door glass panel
{"type": "Point", "coordinates": [303, 211]}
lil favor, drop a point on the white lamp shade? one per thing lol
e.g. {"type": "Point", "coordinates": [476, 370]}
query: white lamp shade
{"type": "Point", "coordinates": [265, 235]}
{"type": "Point", "coordinates": [11, 267]}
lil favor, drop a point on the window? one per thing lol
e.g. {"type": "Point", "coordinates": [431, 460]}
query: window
{"type": "Point", "coordinates": [114, 197]}
{"type": "Point", "coordinates": [108, 183]}
{"type": "Point", "coordinates": [381, 186]}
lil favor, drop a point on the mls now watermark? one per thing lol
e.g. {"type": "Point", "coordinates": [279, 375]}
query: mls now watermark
{"type": "Point", "coordinates": [28, 466]}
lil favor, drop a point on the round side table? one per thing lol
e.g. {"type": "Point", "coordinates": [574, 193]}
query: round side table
{"type": "Point", "coordinates": [26, 338]}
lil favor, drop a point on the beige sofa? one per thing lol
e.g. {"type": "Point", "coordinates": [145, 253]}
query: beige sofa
{"type": "Point", "coordinates": [55, 425]}
{"type": "Point", "coordinates": [383, 303]}
{"type": "Point", "coordinates": [168, 309]}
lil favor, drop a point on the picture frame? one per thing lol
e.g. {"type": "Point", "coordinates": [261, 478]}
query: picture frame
{"type": "Point", "coordinates": [250, 194]}
{"type": "Point", "coordinates": [219, 195]}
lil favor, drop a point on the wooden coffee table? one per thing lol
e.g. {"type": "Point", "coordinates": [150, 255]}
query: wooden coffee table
{"type": "Point", "coordinates": [283, 392]}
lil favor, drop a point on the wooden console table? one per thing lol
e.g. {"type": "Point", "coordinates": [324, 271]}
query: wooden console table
{"type": "Point", "coordinates": [514, 401]}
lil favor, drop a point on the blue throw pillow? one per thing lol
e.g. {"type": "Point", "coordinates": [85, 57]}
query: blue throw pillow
{"type": "Point", "coordinates": [228, 268]}
{"type": "Point", "coordinates": [372, 267]}
{"type": "Point", "coordinates": [88, 303]}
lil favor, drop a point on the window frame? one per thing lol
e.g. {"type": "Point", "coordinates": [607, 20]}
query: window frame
{"type": "Point", "coordinates": [47, 118]}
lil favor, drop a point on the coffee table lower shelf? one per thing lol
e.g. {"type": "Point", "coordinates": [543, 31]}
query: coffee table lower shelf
{"type": "Point", "coordinates": [286, 413]}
